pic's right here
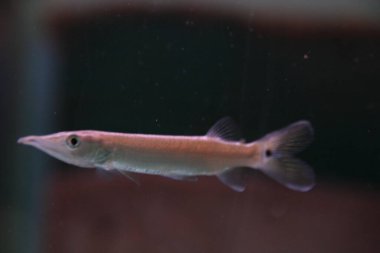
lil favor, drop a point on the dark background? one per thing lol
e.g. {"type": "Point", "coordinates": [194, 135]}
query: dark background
{"type": "Point", "coordinates": [178, 72]}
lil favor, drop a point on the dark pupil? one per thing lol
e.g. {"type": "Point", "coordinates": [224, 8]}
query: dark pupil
{"type": "Point", "coordinates": [74, 141]}
{"type": "Point", "coordinates": [268, 152]}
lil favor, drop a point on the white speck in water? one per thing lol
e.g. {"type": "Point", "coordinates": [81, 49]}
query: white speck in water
{"type": "Point", "coordinates": [158, 124]}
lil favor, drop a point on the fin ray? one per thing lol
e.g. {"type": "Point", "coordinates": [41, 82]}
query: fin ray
{"type": "Point", "coordinates": [291, 172]}
{"type": "Point", "coordinates": [129, 176]}
{"type": "Point", "coordinates": [292, 139]}
{"type": "Point", "coordinates": [234, 178]}
{"type": "Point", "coordinates": [278, 161]}
{"type": "Point", "coordinates": [225, 129]}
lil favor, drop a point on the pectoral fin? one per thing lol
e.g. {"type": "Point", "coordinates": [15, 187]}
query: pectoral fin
{"type": "Point", "coordinates": [129, 176]}
{"type": "Point", "coordinates": [105, 170]}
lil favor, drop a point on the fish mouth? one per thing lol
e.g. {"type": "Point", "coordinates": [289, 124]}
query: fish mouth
{"type": "Point", "coordinates": [40, 142]}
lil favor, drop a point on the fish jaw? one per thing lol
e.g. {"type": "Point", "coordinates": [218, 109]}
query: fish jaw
{"type": "Point", "coordinates": [47, 143]}
{"type": "Point", "coordinates": [28, 140]}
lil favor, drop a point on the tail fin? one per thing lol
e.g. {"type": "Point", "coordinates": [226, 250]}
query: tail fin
{"type": "Point", "coordinates": [278, 161]}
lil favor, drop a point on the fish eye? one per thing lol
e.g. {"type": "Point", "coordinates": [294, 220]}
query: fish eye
{"type": "Point", "coordinates": [73, 141]}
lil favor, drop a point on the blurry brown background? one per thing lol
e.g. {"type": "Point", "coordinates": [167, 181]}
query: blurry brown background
{"type": "Point", "coordinates": [168, 67]}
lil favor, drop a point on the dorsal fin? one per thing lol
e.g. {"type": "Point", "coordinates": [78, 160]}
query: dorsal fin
{"type": "Point", "coordinates": [225, 129]}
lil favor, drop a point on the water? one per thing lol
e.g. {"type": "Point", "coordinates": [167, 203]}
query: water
{"type": "Point", "coordinates": [177, 73]}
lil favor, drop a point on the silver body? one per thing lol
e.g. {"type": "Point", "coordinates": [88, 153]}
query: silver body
{"type": "Point", "coordinates": [173, 155]}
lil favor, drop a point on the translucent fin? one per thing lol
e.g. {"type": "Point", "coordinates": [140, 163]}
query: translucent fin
{"type": "Point", "coordinates": [292, 139]}
{"type": "Point", "coordinates": [105, 170]}
{"type": "Point", "coordinates": [278, 161]}
{"type": "Point", "coordinates": [234, 178]}
{"type": "Point", "coordinates": [129, 176]}
{"type": "Point", "coordinates": [101, 157]}
{"type": "Point", "coordinates": [180, 177]}
{"type": "Point", "coordinates": [225, 129]}
{"type": "Point", "coordinates": [291, 172]}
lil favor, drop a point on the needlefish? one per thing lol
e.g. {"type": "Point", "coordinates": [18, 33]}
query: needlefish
{"type": "Point", "coordinates": [221, 153]}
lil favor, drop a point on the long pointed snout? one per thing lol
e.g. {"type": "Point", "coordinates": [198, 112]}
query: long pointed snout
{"type": "Point", "coordinates": [28, 140]}
{"type": "Point", "coordinates": [70, 147]}
{"type": "Point", "coordinates": [51, 144]}
{"type": "Point", "coordinates": [46, 143]}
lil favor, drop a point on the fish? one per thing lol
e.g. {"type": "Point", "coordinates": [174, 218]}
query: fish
{"type": "Point", "coordinates": [221, 153]}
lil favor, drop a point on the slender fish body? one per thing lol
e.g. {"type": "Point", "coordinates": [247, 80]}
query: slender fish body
{"type": "Point", "coordinates": [174, 155]}
{"type": "Point", "coordinates": [221, 152]}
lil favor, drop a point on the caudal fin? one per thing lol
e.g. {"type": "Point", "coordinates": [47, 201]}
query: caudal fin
{"type": "Point", "coordinates": [278, 161]}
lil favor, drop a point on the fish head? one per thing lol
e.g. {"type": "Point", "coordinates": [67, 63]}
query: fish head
{"type": "Point", "coordinates": [80, 148]}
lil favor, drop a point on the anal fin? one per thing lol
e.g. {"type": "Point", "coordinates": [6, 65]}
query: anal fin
{"type": "Point", "coordinates": [181, 177]}
{"type": "Point", "coordinates": [234, 178]}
